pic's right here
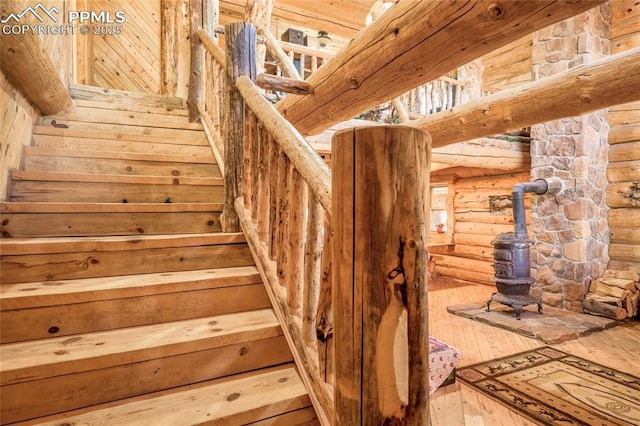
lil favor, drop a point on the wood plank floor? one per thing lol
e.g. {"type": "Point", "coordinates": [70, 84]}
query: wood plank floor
{"type": "Point", "coordinates": [457, 404]}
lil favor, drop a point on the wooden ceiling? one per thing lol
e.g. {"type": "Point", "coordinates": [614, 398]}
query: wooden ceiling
{"type": "Point", "coordinates": [342, 19]}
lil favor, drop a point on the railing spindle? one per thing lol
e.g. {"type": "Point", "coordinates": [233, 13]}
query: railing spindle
{"type": "Point", "coordinates": [297, 216]}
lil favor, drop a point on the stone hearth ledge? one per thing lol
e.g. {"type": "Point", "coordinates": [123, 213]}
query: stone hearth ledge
{"type": "Point", "coordinates": [552, 326]}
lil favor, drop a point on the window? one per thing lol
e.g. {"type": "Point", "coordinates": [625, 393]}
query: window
{"type": "Point", "coordinates": [438, 219]}
{"type": "Point", "coordinates": [440, 215]}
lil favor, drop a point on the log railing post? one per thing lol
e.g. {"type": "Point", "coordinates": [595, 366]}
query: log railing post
{"type": "Point", "coordinates": [379, 211]}
{"type": "Point", "coordinates": [195, 77]}
{"type": "Point", "coordinates": [240, 61]}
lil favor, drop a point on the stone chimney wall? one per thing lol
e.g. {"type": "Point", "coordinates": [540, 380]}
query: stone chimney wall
{"type": "Point", "coordinates": [570, 229]}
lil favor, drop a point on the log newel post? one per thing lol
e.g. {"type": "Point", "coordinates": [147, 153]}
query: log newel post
{"type": "Point", "coordinates": [195, 76]}
{"type": "Point", "coordinates": [379, 210]}
{"type": "Point", "coordinates": [240, 61]}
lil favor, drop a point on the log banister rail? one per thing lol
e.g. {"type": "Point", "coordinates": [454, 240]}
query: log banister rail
{"type": "Point", "coordinates": [302, 156]}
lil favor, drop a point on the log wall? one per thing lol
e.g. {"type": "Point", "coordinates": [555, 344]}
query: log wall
{"type": "Point", "coordinates": [623, 173]}
{"type": "Point", "coordinates": [482, 210]}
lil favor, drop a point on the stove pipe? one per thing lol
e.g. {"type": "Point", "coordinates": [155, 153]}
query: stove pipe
{"type": "Point", "coordinates": [539, 187]}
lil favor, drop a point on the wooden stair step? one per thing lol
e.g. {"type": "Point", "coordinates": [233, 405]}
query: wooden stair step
{"type": "Point", "coordinates": [119, 155]}
{"type": "Point", "coordinates": [146, 145]}
{"type": "Point", "coordinates": [30, 220]}
{"type": "Point", "coordinates": [120, 132]}
{"type": "Point", "coordinates": [109, 162]}
{"type": "Point", "coordinates": [46, 259]}
{"type": "Point", "coordinates": [90, 187]}
{"type": "Point", "coordinates": [64, 292]}
{"type": "Point", "coordinates": [46, 309]}
{"type": "Point", "coordinates": [122, 97]}
{"type": "Point", "coordinates": [273, 396]}
{"type": "Point", "coordinates": [132, 118]}
{"type": "Point", "coordinates": [98, 104]}
{"type": "Point", "coordinates": [28, 361]}
{"type": "Point", "coordinates": [95, 368]}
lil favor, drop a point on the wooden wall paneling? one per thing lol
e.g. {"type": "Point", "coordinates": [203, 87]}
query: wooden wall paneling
{"type": "Point", "coordinates": [131, 60]}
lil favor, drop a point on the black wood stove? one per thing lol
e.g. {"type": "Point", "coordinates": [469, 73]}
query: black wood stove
{"type": "Point", "coordinates": [511, 251]}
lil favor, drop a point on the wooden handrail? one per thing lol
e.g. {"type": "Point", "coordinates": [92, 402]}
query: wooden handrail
{"type": "Point", "coordinates": [212, 47]}
{"type": "Point", "coordinates": [305, 50]}
{"type": "Point", "coordinates": [303, 157]}
{"type": "Point", "coordinates": [281, 56]}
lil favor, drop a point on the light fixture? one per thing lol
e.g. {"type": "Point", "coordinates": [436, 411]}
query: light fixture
{"type": "Point", "coordinates": [323, 39]}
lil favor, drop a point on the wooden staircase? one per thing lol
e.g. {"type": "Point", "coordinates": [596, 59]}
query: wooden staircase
{"type": "Point", "coordinates": [122, 302]}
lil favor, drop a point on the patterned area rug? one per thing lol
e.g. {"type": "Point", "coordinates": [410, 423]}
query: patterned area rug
{"type": "Point", "coordinates": [551, 387]}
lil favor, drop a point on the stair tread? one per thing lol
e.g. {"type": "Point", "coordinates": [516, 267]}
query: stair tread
{"type": "Point", "coordinates": [110, 178]}
{"type": "Point", "coordinates": [185, 137]}
{"type": "Point", "coordinates": [127, 129]}
{"type": "Point", "coordinates": [33, 360]}
{"type": "Point", "coordinates": [138, 156]}
{"type": "Point", "coordinates": [51, 293]}
{"type": "Point", "coordinates": [8, 207]}
{"type": "Point", "coordinates": [131, 107]}
{"type": "Point", "coordinates": [239, 399]}
{"type": "Point", "coordinates": [129, 118]}
{"type": "Point", "coordinates": [119, 97]}
{"type": "Point", "coordinates": [19, 246]}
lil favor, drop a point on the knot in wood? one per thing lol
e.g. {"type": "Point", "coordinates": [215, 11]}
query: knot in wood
{"type": "Point", "coordinates": [495, 11]}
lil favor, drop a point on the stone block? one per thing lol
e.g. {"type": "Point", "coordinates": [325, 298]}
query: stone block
{"type": "Point", "coordinates": [555, 127]}
{"type": "Point", "coordinates": [584, 43]}
{"type": "Point", "coordinates": [582, 229]}
{"type": "Point", "coordinates": [547, 206]}
{"type": "Point", "coordinates": [544, 34]}
{"type": "Point", "coordinates": [562, 29]}
{"type": "Point", "coordinates": [555, 56]}
{"type": "Point", "coordinates": [576, 250]}
{"type": "Point", "coordinates": [574, 306]}
{"type": "Point", "coordinates": [574, 291]}
{"type": "Point", "coordinates": [569, 47]}
{"type": "Point", "coordinates": [557, 222]}
{"type": "Point", "coordinates": [580, 166]}
{"type": "Point", "coordinates": [543, 248]}
{"type": "Point", "coordinates": [562, 163]}
{"type": "Point", "coordinates": [561, 146]}
{"type": "Point", "coordinates": [581, 209]}
{"type": "Point", "coordinates": [552, 299]}
{"type": "Point", "coordinates": [566, 235]}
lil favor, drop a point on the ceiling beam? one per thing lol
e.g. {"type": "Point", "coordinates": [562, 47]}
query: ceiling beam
{"type": "Point", "coordinates": [612, 80]}
{"type": "Point", "coordinates": [413, 43]}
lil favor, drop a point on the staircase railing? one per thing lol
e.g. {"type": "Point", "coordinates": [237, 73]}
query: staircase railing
{"type": "Point", "coordinates": [283, 208]}
{"type": "Point", "coordinates": [281, 192]}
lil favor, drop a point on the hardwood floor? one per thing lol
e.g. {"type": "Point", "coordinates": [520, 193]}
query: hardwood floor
{"type": "Point", "coordinates": [457, 404]}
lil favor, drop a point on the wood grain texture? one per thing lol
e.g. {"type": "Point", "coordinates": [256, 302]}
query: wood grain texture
{"type": "Point", "coordinates": [405, 46]}
{"type": "Point", "coordinates": [27, 64]}
{"type": "Point", "coordinates": [379, 205]}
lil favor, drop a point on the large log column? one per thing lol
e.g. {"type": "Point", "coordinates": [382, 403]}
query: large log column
{"type": "Point", "coordinates": [240, 39]}
{"type": "Point", "coordinates": [413, 43]}
{"type": "Point", "coordinates": [379, 211]}
{"type": "Point", "coordinates": [28, 67]}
